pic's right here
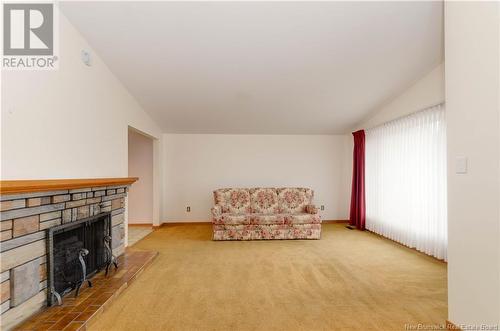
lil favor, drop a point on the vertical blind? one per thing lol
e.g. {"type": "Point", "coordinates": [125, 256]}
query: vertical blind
{"type": "Point", "coordinates": [406, 181]}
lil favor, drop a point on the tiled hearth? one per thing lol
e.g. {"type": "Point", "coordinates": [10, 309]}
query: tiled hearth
{"type": "Point", "coordinates": [77, 314]}
{"type": "Point", "coordinates": [26, 216]}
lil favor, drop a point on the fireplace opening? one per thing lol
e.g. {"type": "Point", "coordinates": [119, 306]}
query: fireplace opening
{"type": "Point", "coordinates": [77, 251]}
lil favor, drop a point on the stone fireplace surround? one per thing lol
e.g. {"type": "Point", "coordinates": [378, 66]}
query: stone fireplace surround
{"type": "Point", "coordinates": [27, 210]}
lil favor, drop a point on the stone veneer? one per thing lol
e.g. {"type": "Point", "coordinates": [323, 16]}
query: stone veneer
{"type": "Point", "coordinates": [24, 219]}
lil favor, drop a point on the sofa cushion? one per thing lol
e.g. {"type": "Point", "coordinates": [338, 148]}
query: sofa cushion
{"type": "Point", "coordinates": [264, 200]}
{"type": "Point", "coordinates": [268, 219]}
{"type": "Point", "coordinates": [233, 219]}
{"type": "Point", "coordinates": [302, 218]}
{"type": "Point", "coordinates": [235, 201]}
{"type": "Point", "coordinates": [245, 219]}
{"type": "Point", "coordinates": [294, 200]}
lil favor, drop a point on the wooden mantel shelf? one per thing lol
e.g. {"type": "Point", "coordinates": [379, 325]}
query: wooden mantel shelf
{"type": "Point", "coordinates": [27, 186]}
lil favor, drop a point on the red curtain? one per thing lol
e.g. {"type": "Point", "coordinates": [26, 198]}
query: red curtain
{"type": "Point", "coordinates": [357, 214]}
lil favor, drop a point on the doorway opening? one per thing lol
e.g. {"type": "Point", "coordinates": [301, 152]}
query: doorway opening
{"type": "Point", "coordinates": [140, 197]}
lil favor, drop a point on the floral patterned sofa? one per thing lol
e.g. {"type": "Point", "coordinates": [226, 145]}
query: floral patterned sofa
{"type": "Point", "coordinates": [265, 213]}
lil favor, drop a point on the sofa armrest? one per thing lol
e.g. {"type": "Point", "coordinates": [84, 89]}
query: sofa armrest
{"type": "Point", "coordinates": [311, 209]}
{"type": "Point", "coordinates": [216, 211]}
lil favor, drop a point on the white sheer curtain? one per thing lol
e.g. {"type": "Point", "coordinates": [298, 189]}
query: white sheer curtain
{"type": "Point", "coordinates": [405, 181]}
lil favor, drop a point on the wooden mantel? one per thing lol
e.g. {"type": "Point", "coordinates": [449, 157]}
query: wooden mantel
{"type": "Point", "coordinates": [27, 186]}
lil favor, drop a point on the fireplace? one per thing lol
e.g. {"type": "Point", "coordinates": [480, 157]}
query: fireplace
{"type": "Point", "coordinates": [77, 251]}
{"type": "Point", "coordinates": [29, 210]}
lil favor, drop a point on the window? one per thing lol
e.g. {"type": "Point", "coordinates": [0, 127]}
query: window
{"type": "Point", "coordinates": [406, 181]}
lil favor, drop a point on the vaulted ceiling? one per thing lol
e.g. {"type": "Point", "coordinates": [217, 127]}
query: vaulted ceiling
{"type": "Point", "coordinates": [262, 67]}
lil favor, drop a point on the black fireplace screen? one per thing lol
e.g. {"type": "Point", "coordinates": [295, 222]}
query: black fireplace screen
{"type": "Point", "coordinates": [77, 251]}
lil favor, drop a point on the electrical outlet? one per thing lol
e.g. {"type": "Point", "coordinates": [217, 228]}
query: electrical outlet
{"type": "Point", "coordinates": [322, 207]}
{"type": "Point", "coordinates": [188, 209]}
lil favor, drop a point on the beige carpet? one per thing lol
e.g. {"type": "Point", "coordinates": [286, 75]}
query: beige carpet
{"type": "Point", "coordinates": [348, 280]}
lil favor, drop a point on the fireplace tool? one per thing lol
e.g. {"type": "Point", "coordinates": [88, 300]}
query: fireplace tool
{"type": "Point", "coordinates": [81, 254]}
{"type": "Point", "coordinates": [111, 257]}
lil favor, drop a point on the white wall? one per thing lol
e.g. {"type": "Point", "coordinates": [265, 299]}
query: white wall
{"type": "Point", "coordinates": [472, 97]}
{"type": "Point", "coordinates": [425, 92]}
{"type": "Point", "coordinates": [195, 165]}
{"type": "Point", "coordinates": [69, 123]}
{"type": "Point", "coordinates": [140, 164]}
{"type": "Point", "coordinates": [72, 122]}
